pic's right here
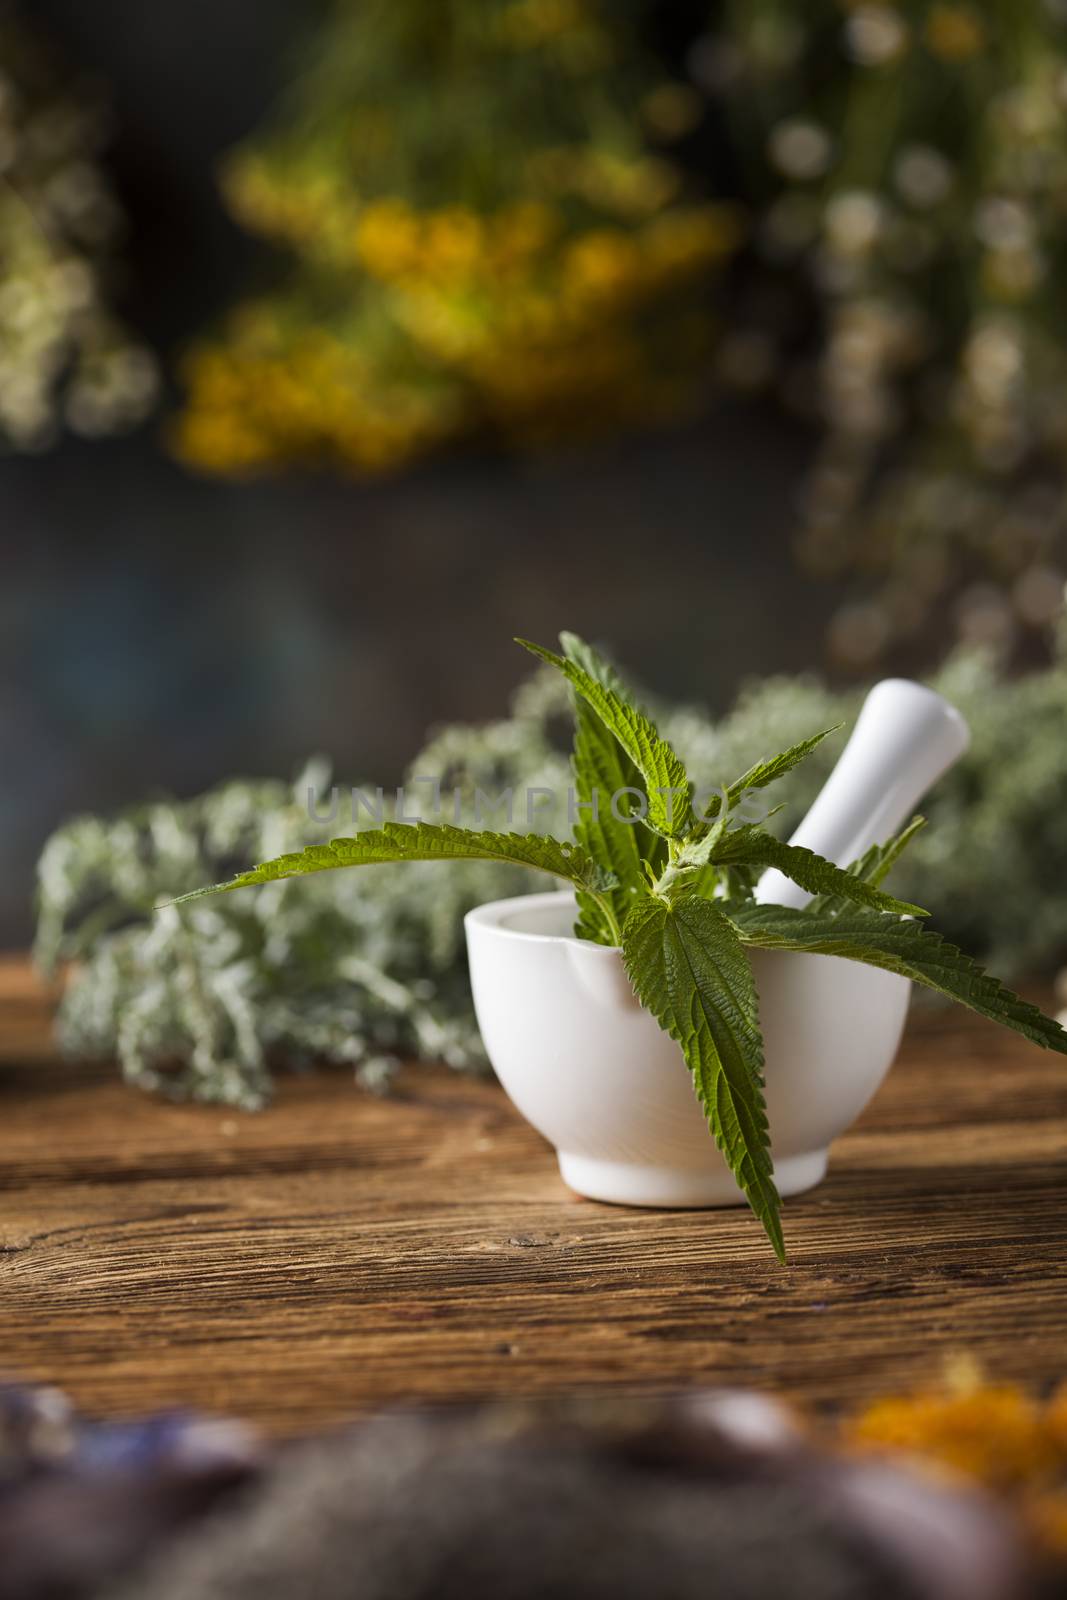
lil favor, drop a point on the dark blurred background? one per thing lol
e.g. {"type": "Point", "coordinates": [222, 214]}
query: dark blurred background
{"type": "Point", "coordinates": [162, 630]}
{"type": "Point", "coordinates": [164, 627]}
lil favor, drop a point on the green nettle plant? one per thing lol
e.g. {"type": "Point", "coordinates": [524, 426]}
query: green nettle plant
{"type": "Point", "coordinates": [673, 885]}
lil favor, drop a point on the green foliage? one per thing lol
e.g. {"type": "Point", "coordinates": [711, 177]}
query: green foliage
{"type": "Point", "coordinates": [763, 773]}
{"type": "Point", "coordinates": [206, 999]}
{"type": "Point", "coordinates": [900, 946]}
{"type": "Point", "coordinates": [486, 232]}
{"type": "Point", "coordinates": [683, 958]}
{"type": "Point", "coordinates": [997, 828]}
{"type": "Point", "coordinates": [65, 360]}
{"type": "Point", "coordinates": [421, 841]}
{"type": "Point", "coordinates": [903, 165]}
{"type": "Point", "coordinates": [479, 237]}
{"type": "Point", "coordinates": [689, 969]}
{"type": "Point", "coordinates": [600, 766]}
{"type": "Point", "coordinates": [664, 779]}
{"type": "Point", "coordinates": [873, 866]}
{"type": "Point", "coordinates": [202, 1001]}
{"type": "Point", "coordinates": [757, 848]}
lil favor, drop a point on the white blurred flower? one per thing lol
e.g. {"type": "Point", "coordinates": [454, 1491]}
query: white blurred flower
{"type": "Point", "coordinates": [1015, 273]}
{"type": "Point", "coordinates": [922, 174]}
{"type": "Point", "coordinates": [854, 221]}
{"type": "Point", "coordinates": [61, 352]}
{"type": "Point", "coordinates": [1004, 224]}
{"type": "Point", "coordinates": [875, 34]}
{"type": "Point", "coordinates": [72, 282]}
{"type": "Point", "coordinates": [994, 361]}
{"type": "Point", "coordinates": [800, 149]}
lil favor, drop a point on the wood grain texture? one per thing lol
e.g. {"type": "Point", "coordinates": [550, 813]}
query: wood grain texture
{"type": "Point", "coordinates": [338, 1252]}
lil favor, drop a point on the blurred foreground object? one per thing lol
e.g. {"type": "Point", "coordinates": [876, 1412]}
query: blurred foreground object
{"type": "Point", "coordinates": [65, 361]}
{"type": "Point", "coordinates": [485, 241]}
{"type": "Point", "coordinates": [907, 164]}
{"type": "Point", "coordinates": [996, 1435]}
{"type": "Point", "coordinates": [82, 1502]}
{"type": "Point", "coordinates": [722, 1493]}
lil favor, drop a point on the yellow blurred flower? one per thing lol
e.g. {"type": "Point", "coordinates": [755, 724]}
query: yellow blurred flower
{"type": "Point", "coordinates": [601, 263]}
{"type": "Point", "coordinates": [522, 230]}
{"type": "Point", "coordinates": [954, 32]}
{"type": "Point", "coordinates": [453, 241]}
{"type": "Point", "coordinates": [297, 210]}
{"type": "Point", "coordinates": [387, 238]}
{"type": "Point", "coordinates": [409, 323]}
{"type": "Point", "coordinates": [527, 23]}
{"type": "Point", "coordinates": [218, 441]}
{"type": "Point", "coordinates": [696, 236]}
{"type": "Point", "coordinates": [997, 1435]}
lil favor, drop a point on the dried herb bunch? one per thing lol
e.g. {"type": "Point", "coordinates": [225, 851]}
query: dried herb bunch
{"type": "Point", "coordinates": [485, 236]}
{"type": "Point", "coordinates": [905, 163]}
{"type": "Point", "coordinates": [671, 878]}
{"type": "Point", "coordinates": [65, 360]}
{"type": "Point", "coordinates": [202, 1000]}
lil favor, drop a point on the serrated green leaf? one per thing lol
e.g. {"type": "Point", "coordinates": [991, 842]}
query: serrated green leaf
{"type": "Point", "coordinates": [872, 867]}
{"type": "Point", "coordinates": [896, 946]}
{"type": "Point", "coordinates": [689, 969]}
{"type": "Point", "coordinates": [602, 768]}
{"type": "Point", "coordinates": [597, 666]}
{"type": "Point", "coordinates": [755, 847]}
{"type": "Point", "coordinates": [764, 773]}
{"type": "Point", "coordinates": [421, 841]}
{"type": "Point", "coordinates": [876, 864]}
{"type": "Point", "coordinates": [663, 776]}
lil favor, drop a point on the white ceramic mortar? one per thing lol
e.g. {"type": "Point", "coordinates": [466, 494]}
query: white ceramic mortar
{"type": "Point", "coordinates": [596, 1075]}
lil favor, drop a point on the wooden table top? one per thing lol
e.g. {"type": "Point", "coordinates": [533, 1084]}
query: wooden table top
{"type": "Point", "coordinates": [338, 1252]}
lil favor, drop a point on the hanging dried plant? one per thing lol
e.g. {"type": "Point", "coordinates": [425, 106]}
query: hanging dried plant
{"type": "Point", "coordinates": [65, 360]}
{"type": "Point", "coordinates": [486, 241]}
{"type": "Point", "coordinates": [906, 167]}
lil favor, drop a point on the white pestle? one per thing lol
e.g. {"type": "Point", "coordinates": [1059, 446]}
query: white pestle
{"type": "Point", "coordinates": [905, 738]}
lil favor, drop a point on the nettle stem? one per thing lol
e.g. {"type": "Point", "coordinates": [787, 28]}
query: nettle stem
{"type": "Point", "coordinates": [609, 916]}
{"type": "Point", "coordinates": [670, 875]}
{"type": "Point", "coordinates": [673, 879]}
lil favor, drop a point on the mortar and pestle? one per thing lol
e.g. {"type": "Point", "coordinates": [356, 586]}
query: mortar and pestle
{"type": "Point", "coordinates": [596, 1075]}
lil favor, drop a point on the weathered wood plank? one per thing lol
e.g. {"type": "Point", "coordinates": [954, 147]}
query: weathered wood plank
{"type": "Point", "coordinates": [337, 1252]}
